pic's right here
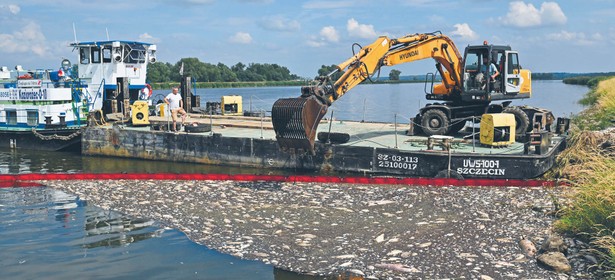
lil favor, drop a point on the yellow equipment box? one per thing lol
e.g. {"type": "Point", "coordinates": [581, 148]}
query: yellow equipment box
{"type": "Point", "coordinates": [231, 105]}
{"type": "Point", "coordinates": [497, 129]}
{"type": "Point", "coordinates": [140, 113]}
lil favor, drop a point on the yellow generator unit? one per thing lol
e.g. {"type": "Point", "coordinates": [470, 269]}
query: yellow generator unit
{"type": "Point", "coordinates": [231, 105]}
{"type": "Point", "coordinates": [140, 113]}
{"type": "Point", "coordinates": [497, 129]}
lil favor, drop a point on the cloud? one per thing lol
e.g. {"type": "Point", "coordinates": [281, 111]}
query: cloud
{"type": "Point", "coordinates": [315, 42]}
{"type": "Point", "coordinates": [356, 29]}
{"type": "Point", "coordinates": [145, 37]}
{"type": "Point", "coordinates": [241, 38]}
{"type": "Point", "coordinates": [30, 39]}
{"type": "Point", "coordinates": [256, 1]}
{"type": "Point", "coordinates": [420, 3]}
{"type": "Point", "coordinates": [464, 32]}
{"type": "Point", "coordinates": [327, 34]}
{"type": "Point", "coordinates": [521, 14]}
{"type": "Point", "coordinates": [552, 14]}
{"type": "Point", "coordinates": [326, 5]}
{"type": "Point", "coordinates": [576, 38]}
{"type": "Point", "coordinates": [278, 23]}
{"type": "Point", "coordinates": [11, 8]}
{"type": "Point", "coordinates": [330, 34]}
{"type": "Point", "coordinates": [194, 2]}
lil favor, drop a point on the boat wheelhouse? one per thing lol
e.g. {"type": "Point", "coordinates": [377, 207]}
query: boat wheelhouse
{"type": "Point", "coordinates": [114, 72]}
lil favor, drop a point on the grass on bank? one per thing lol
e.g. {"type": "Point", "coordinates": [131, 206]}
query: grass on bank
{"type": "Point", "coordinates": [589, 166]}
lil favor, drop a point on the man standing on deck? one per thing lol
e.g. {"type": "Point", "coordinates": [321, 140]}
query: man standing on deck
{"type": "Point", "coordinates": [176, 104]}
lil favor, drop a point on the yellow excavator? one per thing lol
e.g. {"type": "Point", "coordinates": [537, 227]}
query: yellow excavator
{"type": "Point", "coordinates": [466, 89]}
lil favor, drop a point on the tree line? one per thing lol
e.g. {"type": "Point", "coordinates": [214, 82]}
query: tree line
{"type": "Point", "coordinates": [162, 72]}
{"type": "Point", "coordinates": [256, 72]}
{"type": "Point", "coordinates": [206, 72]}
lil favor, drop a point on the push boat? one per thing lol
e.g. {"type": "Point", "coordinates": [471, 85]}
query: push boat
{"type": "Point", "coordinates": [48, 109]}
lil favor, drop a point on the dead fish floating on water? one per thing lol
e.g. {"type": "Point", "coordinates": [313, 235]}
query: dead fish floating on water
{"type": "Point", "coordinates": [396, 267]}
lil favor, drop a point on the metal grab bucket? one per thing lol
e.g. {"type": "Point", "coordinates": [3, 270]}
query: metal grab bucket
{"type": "Point", "coordinates": [295, 121]}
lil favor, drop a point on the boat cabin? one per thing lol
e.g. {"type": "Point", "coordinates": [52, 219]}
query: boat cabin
{"type": "Point", "coordinates": [115, 72]}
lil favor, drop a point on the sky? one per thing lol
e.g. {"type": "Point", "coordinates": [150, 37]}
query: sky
{"type": "Point", "coordinates": [551, 36]}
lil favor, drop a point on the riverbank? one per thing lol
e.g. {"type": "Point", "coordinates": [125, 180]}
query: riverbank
{"type": "Point", "coordinates": [385, 232]}
{"type": "Point", "coordinates": [589, 165]}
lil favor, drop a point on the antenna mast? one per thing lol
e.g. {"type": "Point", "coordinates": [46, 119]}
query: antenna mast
{"type": "Point", "coordinates": [74, 32]}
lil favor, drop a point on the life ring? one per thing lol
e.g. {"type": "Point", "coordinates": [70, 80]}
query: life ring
{"type": "Point", "coordinates": [149, 91]}
{"type": "Point", "coordinates": [26, 76]}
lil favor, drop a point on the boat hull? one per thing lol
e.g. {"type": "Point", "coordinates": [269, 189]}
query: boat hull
{"type": "Point", "coordinates": [67, 139]}
{"type": "Point", "coordinates": [215, 149]}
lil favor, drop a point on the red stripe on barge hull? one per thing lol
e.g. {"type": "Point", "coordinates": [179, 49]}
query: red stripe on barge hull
{"type": "Point", "coordinates": [19, 180]}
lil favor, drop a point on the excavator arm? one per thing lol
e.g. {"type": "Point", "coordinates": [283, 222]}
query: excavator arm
{"type": "Point", "coordinates": [295, 120]}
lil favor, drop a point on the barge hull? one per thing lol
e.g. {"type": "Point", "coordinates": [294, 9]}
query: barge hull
{"type": "Point", "coordinates": [215, 149]}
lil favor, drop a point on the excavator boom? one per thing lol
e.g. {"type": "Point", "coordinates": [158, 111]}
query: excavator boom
{"type": "Point", "coordinates": [295, 120]}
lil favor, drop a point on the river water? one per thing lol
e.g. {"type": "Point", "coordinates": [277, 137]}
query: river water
{"type": "Point", "coordinates": [45, 233]}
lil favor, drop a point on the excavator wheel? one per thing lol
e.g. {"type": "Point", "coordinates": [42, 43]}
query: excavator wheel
{"type": "Point", "coordinates": [435, 122]}
{"type": "Point", "coordinates": [521, 119]}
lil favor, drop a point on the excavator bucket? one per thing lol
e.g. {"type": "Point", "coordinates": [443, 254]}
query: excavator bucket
{"type": "Point", "coordinates": [295, 121]}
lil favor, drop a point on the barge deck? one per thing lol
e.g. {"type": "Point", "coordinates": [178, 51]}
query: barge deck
{"type": "Point", "coordinates": [376, 149]}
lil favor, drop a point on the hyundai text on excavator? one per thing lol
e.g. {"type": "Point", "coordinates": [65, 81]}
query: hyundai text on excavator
{"type": "Point", "coordinates": [465, 89]}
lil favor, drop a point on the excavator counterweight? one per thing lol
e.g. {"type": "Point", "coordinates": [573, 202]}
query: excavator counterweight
{"type": "Point", "coordinates": [295, 121]}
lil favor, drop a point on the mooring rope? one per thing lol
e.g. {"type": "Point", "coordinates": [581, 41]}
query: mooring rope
{"type": "Point", "coordinates": [55, 136]}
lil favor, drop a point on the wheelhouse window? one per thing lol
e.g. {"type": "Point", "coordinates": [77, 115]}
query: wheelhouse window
{"type": "Point", "coordinates": [136, 53]}
{"type": "Point", "coordinates": [11, 117]}
{"type": "Point", "coordinates": [32, 117]}
{"type": "Point", "coordinates": [95, 54]}
{"type": "Point", "coordinates": [84, 55]}
{"type": "Point", "coordinates": [106, 54]}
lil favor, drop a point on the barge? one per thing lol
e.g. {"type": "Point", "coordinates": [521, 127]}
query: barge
{"type": "Point", "coordinates": [373, 149]}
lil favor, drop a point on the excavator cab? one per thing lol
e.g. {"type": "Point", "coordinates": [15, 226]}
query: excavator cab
{"type": "Point", "coordinates": [511, 82]}
{"type": "Point", "coordinates": [479, 64]}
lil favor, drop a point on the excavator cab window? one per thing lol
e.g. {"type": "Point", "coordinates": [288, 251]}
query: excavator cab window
{"type": "Point", "coordinates": [473, 79]}
{"type": "Point", "coordinates": [513, 73]}
{"type": "Point", "coordinates": [499, 59]}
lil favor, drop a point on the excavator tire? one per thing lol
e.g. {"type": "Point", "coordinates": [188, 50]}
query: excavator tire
{"type": "Point", "coordinates": [435, 122]}
{"type": "Point", "coordinates": [521, 119]}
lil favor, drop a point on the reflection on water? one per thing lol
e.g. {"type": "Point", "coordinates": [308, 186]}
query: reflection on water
{"type": "Point", "coordinates": [108, 223]}
{"type": "Point", "coordinates": [45, 233]}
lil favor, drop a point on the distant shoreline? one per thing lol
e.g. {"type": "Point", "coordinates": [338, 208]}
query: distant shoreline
{"type": "Point", "coordinates": [169, 85]}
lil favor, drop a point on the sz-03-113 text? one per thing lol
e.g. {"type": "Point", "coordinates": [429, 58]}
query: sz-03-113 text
{"type": "Point", "coordinates": [397, 161]}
